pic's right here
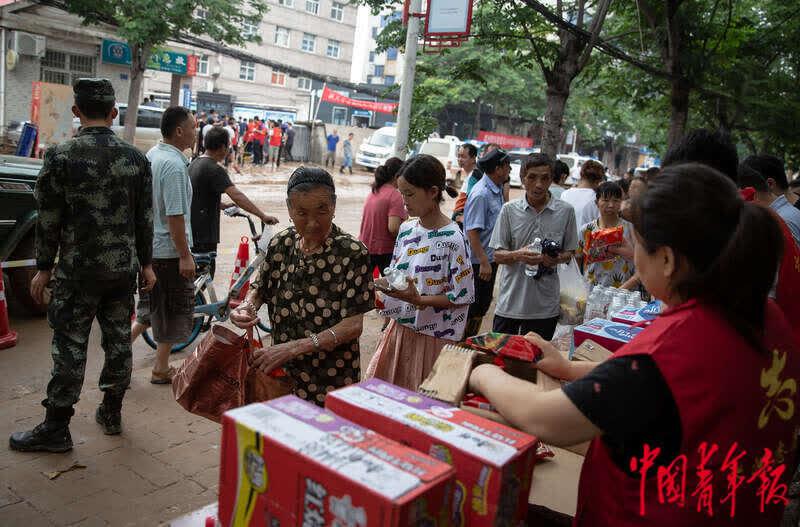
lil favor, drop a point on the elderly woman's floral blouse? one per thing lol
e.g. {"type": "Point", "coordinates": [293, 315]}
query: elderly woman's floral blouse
{"type": "Point", "coordinates": [308, 294]}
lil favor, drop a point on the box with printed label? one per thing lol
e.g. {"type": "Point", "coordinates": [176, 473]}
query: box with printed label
{"type": "Point", "coordinates": [288, 463]}
{"type": "Point", "coordinates": [636, 316]}
{"type": "Point", "coordinates": [611, 335]}
{"type": "Point", "coordinates": [494, 463]}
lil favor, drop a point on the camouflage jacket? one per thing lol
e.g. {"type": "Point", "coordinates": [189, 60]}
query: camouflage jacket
{"type": "Point", "coordinates": [95, 200]}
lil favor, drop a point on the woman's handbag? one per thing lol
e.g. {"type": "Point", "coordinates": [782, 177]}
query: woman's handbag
{"type": "Point", "coordinates": [218, 376]}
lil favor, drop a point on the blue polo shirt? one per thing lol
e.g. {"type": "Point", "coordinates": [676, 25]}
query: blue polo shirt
{"type": "Point", "coordinates": [481, 211]}
{"type": "Point", "coordinates": [332, 140]}
{"type": "Point", "coordinates": [790, 214]}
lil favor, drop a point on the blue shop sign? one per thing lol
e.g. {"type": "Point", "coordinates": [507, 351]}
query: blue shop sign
{"type": "Point", "coordinates": [114, 52]}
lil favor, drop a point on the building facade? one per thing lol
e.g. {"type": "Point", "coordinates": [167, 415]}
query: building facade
{"type": "Point", "coordinates": [312, 35]}
{"type": "Point", "coordinates": [378, 68]}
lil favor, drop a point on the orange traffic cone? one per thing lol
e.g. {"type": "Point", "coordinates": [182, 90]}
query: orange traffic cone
{"type": "Point", "coordinates": [8, 338]}
{"type": "Point", "coordinates": [239, 266]}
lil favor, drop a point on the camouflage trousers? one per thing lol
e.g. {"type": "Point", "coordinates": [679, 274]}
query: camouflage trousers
{"type": "Point", "coordinates": [73, 308]}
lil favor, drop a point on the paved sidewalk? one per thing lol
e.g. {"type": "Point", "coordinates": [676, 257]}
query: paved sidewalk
{"type": "Point", "coordinates": [163, 465]}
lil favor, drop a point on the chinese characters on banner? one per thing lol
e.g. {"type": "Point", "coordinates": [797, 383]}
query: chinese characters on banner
{"type": "Point", "coordinates": [671, 480]}
{"type": "Point", "coordinates": [334, 97]}
{"type": "Point", "coordinates": [505, 141]}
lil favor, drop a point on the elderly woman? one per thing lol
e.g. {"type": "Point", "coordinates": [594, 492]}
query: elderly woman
{"type": "Point", "coordinates": [316, 283]}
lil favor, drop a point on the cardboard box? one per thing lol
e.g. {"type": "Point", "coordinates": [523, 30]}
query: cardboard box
{"type": "Point", "coordinates": [611, 335]}
{"type": "Point", "coordinates": [290, 463]}
{"type": "Point", "coordinates": [636, 316]}
{"type": "Point", "coordinates": [493, 462]}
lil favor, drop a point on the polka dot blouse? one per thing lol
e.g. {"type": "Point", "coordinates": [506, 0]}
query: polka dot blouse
{"type": "Point", "coordinates": [308, 294]}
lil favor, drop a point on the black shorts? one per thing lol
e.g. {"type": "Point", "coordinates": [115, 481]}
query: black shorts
{"type": "Point", "coordinates": [545, 327]}
{"type": "Point", "coordinates": [484, 291]}
{"type": "Point", "coordinates": [169, 306]}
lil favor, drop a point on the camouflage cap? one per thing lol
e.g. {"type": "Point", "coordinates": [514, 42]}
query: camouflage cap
{"type": "Point", "coordinates": [93, 90]}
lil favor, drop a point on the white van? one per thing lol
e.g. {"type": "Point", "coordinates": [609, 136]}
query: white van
{"type": "Point", "coordinates": [378, 148]}
{"type": "Point", "coordinates": [445, 150]}
{"type": "Point", "coordinates": [574, 162]}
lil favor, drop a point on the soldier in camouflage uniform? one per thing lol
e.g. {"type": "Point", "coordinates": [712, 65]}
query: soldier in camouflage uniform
{"type": "Point", "coordinates": [94, 195]}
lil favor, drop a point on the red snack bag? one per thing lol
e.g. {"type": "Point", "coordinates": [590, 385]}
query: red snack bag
{"type": "Point", "coordinates": [504, 345]}
{"type": "Point", "coordinates": [598, 242]}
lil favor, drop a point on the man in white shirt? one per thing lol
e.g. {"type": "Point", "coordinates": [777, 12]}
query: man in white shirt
{"type": "Point", "coordinates": [582, 197]}
{"type": "Point", "coordinates": [773, 172]}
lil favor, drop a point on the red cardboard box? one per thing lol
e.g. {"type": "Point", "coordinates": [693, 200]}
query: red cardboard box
{"type": "Point", "coordinates": [289, 463]}
{"type": "Point", "coordinates": [493, 462]}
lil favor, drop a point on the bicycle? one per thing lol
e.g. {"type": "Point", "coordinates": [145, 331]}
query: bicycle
{"type": "Point", "coordinates": [210, 310]}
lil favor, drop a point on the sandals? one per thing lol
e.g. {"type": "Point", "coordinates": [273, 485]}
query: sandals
{"type": "Point", "coordinates": [163, 377]}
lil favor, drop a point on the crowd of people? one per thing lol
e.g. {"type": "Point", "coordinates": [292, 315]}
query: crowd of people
{"type": "Point", "coordinates": [265, 141]}
{"type": "Point", "coordinates": [715, 240]}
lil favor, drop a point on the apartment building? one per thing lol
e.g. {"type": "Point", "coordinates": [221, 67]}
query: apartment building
{"type": "Point", "coordinates": [384, 68]}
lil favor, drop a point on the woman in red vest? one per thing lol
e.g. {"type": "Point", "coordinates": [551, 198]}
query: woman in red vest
{"type": "Point", "coordinates": [694, 422]}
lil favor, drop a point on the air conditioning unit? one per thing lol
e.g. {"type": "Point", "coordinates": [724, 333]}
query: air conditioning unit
{"type": "Point", "coordinates": [371, 69]}
{"type": "Point", "coordinates": [28, 44]}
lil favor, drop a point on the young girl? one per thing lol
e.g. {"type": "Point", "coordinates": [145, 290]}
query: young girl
{"type": "Point", "coordinates": [619, 268]}
{"type": "Point", "coordinates": [432, 310]}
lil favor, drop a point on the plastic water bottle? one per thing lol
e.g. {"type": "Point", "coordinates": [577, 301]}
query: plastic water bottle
{"type": "Point", "coordinates": [396, 278]}
{"type": "Point", "coordinates": [536, 247]}
{"type": "Point", "coordinates": [593, 307]}
{"type": "Point", "coordinates": [617, 303]}
{"type": "Point", "coordinates": [606, 301]}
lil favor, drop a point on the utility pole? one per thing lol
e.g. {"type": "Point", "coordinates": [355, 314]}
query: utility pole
{"type": "Point", "coordinates": [407, 87]}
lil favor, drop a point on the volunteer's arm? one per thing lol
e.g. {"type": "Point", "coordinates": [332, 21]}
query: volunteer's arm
{"type": "Point", "coordinates": [550, 416]}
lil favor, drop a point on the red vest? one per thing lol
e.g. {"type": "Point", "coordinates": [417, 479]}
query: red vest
{"type": "Point", "coordinates": [725, 392]}
{"type": "Point", "coordinates": [787, 293]}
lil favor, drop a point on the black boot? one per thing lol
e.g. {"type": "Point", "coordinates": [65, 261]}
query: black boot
{"type": "Point", "coordinates": [50, 436]}
{"type": "Point", "coordinates": [108, 414]}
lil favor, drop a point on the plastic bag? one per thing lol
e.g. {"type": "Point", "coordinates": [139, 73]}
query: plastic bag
{"type": "Point", "coordinates": [574, 291]}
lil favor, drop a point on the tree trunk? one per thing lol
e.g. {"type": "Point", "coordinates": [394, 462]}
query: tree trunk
{"type": "Point", "coordinates": [679, 104]}
{"type": "Point", "coordinates": [140, 53]}
{"type": "Point", "coordinates": [554, 116]}
{"type": "Point", "coordinates": [477, 124]}
{"type": "Point", "coordinates": [175, 90]}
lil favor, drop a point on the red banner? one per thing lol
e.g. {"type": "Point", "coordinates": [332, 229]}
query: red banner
{"type": "Point", "coordinates": [334, 97]}
{"type": "Point", "coordinates": [505, 141]}
{"type": "Point", "coordinates": [191, 65]}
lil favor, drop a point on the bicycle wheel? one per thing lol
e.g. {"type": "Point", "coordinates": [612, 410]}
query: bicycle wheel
{"type": "Point", "coordinates": [199, 299]}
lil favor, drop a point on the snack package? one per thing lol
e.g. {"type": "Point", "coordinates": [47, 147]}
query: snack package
{"type": "Point", "coordinates": [599, 241]}
{"type": "Point", "coordinates": [504, 345]}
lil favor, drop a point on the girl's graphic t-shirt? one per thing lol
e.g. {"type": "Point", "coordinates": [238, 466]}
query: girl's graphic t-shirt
{"type": "Point", "coordinates": [439, 262]}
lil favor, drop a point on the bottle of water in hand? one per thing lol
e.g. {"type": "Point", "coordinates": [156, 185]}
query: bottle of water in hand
{"type": "Point", "coordinates": [536, 247]}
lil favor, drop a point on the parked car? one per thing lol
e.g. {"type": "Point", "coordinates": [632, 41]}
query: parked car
{"type": "Point", "coordinates": [445, 150]}
{"type": "Point", "coordinates": [518, 156]}
{"type": "Point", "coordinates": [574, 162]}
{"type": "Point", "coordinates": [377, 149]}
{"type": "Point", "coordinates": [17, 234]}
{"type": "Point", "coordinates": [148, 125]}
